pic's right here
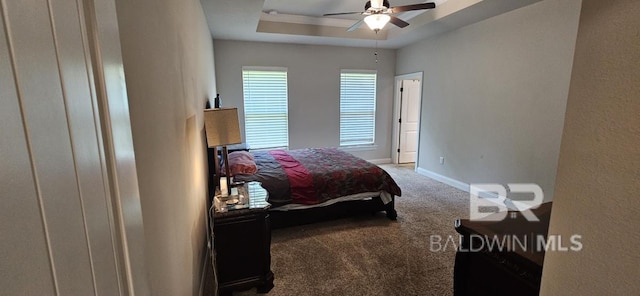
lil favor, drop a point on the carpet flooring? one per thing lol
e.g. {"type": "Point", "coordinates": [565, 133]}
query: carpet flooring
{"type": "Point", "coordinates": [371, 255]}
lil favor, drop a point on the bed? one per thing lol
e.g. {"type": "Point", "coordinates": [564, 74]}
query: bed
{"type": "Point", "coordinates": [315, 184]}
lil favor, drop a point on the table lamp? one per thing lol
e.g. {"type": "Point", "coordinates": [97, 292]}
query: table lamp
{"type": "Point", "coordinates": [222, 128]}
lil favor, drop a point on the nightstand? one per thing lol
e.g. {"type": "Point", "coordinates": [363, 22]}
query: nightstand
{"type": "Point", "coordinates": [515, 270]}
{"type": "Point", "coordinates": [242, 243]}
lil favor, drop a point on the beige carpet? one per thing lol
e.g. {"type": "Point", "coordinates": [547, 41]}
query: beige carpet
{"type": "Point", "coordinates": [371, 255]}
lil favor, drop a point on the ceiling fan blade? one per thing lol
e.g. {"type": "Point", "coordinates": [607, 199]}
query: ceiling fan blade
{"type": "Point", "coordinates": [341, 13]}
{"type": "Point", "coordinates": [398, 22]}
{"type": "Point", "coordinates": [420, 6]}
{"type": "Point", "coordinates": [355, 26]}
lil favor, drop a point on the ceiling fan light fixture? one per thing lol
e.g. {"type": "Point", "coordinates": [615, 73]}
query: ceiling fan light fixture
{"type": "Point", "coordinates": [377, 21]}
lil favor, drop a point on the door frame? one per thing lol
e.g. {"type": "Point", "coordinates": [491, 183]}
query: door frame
{"type": "Point", "coordinates": [103, 51]}
{"type": "Point", "coordinates": [395, 136]}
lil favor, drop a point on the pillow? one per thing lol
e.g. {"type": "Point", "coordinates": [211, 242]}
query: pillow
{"type": "Point", "coordinates": [241, 163]}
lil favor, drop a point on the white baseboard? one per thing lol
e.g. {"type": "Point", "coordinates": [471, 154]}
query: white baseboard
{"type": "Point", "coordinates": [455, 183]}
{"type": "Point", "coordinates": [444, 179]}
{"type": "Point", "coordinates": [380, 161]}
{"type": "Point", "coordinates": [205, 266]}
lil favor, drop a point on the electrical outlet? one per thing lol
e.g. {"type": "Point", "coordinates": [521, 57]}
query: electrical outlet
{"type": "Point", "coordinates": [441, 159]}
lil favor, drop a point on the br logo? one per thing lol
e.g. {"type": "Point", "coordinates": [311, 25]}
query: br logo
{"type": "Point", "coordinates": [489, 202]}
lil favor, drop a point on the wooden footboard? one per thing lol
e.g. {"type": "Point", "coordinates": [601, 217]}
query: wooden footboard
{"type": "Point", "coordinates": [344, 209]}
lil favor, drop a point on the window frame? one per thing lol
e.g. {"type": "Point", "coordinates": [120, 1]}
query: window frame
{"type": "Point", "coordinates": [372, 143]}
{"type": "Point", "coordinates": [286, 104]}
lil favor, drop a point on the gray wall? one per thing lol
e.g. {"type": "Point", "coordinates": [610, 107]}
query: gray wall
{"type": "Point", "coordinates": [599, 167]}
{"type": "Point", "coordinates": [168, 62]}
{"type": "Point", "coordinates": [314, 87]}
{"type": "Point", "coordinates": [494, 95]}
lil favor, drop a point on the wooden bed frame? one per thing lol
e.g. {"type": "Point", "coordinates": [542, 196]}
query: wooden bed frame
{"type": "Point", "coordinates": [335, 211]}
{"type": "Point", "coordinates": [312, 215]}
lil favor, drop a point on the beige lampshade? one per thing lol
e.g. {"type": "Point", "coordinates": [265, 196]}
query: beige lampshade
{"type": "Point", "coordinates": [222, 126]}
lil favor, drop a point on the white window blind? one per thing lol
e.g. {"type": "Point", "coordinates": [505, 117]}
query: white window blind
{"type": "Point", "coordinates": [357, 107]}
{"type": "Point", "coordinates": [266, 120]}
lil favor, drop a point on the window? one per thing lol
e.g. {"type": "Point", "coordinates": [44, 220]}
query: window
{"type": "Point", "coordinates": [265, 107]}
{"type": "Point", "coordinates": [357, 107]}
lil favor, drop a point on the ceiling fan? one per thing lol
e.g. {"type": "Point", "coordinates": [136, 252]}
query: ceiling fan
{"type": "Point", "coordinates": [379, 12]}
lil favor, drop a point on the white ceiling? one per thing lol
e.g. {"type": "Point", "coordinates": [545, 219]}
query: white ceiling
{"type": "Point", "coordinates": [297, 21]}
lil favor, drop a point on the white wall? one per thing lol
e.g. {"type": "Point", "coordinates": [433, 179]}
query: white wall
{"type": "Point", "coordinates": [168, 62]}
{"type": "Point", "coordinates": [494, 95]}
{"type": "Point", "coordinates": [599, 167]}
{"type": "Point", "coordinates": [314, 87]}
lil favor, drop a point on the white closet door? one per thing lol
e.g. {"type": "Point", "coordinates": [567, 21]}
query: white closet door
{"type": "Point", "coordinates": [410, 112]}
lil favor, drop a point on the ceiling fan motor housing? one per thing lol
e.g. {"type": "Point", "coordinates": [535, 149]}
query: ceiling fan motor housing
{"type": "Point", "coordinates": [385, 3]}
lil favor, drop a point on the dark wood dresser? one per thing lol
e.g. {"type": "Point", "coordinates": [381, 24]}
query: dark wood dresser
{"type": "Point", "coordinates": [242, 244]}
{"type": "Point", "coordinates": [513, 270]}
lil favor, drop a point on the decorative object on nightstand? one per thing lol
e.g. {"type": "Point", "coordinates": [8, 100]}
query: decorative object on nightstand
{"type": "Point", "coordinates": [223, 129]}
{"type": "Point", "coordinates": [217, 101]}
{"type": "Point", "coordinates": [242, 241]}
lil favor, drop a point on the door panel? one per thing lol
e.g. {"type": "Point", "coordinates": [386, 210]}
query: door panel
{"type": "Point", "coordinates": [80, 101]}
{"type": "Point", "coordinates": [56, 215]}
{"type": "Point", "coordinates": [26, 256]}
{"type": "Point", "coordinates": [43, 107]}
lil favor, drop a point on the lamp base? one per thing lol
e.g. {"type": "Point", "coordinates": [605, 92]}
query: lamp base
{"type": "Point", "coordinates": [228, 187]}
{"type": "Point", "coordinates": [227, 168]}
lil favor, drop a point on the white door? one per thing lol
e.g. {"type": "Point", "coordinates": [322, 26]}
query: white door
{"type": "Point", "coordinates": [58, 220]}
{"type": "Point", "coordinates": [410, 103]}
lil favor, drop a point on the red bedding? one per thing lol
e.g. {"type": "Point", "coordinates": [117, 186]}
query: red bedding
{"type": "Point", "coordinates": [315, 175]}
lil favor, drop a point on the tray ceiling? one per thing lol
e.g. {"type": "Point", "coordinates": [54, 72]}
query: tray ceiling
{"type": "Point", "coordinates": [294, 21]}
